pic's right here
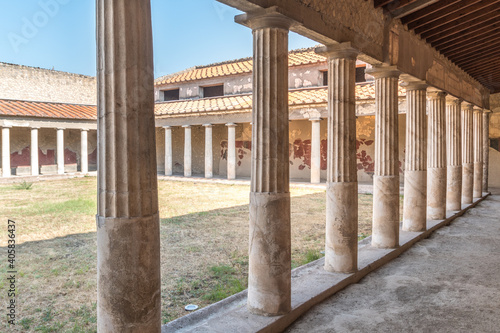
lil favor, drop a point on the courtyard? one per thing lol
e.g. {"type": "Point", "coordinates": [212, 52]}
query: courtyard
{"type": "Point", "coordinates": [204, 246]}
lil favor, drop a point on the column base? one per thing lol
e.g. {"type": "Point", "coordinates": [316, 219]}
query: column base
{"type": "Point", "coordinates": [341, 248]}
{"type": "Point", "coordinates": [415, 200]}
{"type": "Point", "coordinates": [454, 188]}
{"type": "Point", "coordinates": [128, 274]}
{"type": "Point", "coordinates": [385, 233]}
{"type": "Point", "coordinates": [269, 271]}
{"type": "Point", "coordinates": [436, 193]}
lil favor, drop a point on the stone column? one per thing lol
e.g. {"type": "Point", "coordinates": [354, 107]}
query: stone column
{"type": "Point", "coordinates": [34, 152]}
{"type": "Point", "coordinates": [454, 154]}
{"type": "Point", "coordinates": [6, 152]}
{"type": "Point", "coordinates": [208, 151]}
{"type": "Point", "coordinates": [84, 159]}
{"type": "Point", "coordinates": [168, 150]}
{"type": "Point", "coordinates": [415, 187]}
{"type": "Point", "coordinates": [269, 277]}
{"type": "Point", "coordinates": [341, 245]}
{"type": "Point", "coordinates": [385, 231]}
{"type": "Point", "coordinates": [436, 162]}
{"type": "Point", "coordinates": [60, 151]}
{"type": "Point", "coordinates": [478, 153]}
{"type": "Point", "coordinates": [128, 234]}
{"type": "Point", "coordinates": [187, 151]}
{"type": "Point", "coordinates": [486, 148]}
{"type": "Point", "coordinates": [467, 155]}
{"type": "Point", "coordinates": [315, 151]}
{"type": "Point", "coordinates": [231, 151]}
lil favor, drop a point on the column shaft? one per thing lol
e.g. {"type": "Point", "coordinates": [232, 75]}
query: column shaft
{"type": "Point", "coordinates": [454, 154]}
{"type": "Point", "coordinates": [168, 150]}
{"type": "Point", "coordinates": [315, 151]}
{"type": "Point", "coordinates": [187, 151]}
{"type": "Point", "coordinates": [486, 148]}
{"type": "Point", "coordinates": [60, 151]}
{"type": "Point", "coordinates": [478, 152]}
{"type": "Point", "coordinates": [415, 186]}
{"type": "Point", "coordinates": [128, 241]}
{"type": "Point", "coordinates": [269, 277]}
{"type": "Point", "coordinates": [341, 245]}
{"type": "Point", "coordinates": [84, 159]}
{"type": "Point", "coordinates": [208, 152]}
{"type": "Point", "coordinates": [467, 155]}
{"type": "Point", "coordinates": [385, 230]}
{"type": "Point", "coordinates": [231, 151]}
{"type": "Point", "coordinates": [436, 163]}
{"type": "Point", "coordinates": [34, 152]}
{"type": "Point", "coordinates": [6, 152]}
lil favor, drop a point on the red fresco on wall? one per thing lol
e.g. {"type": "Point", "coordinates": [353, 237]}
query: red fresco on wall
{"type": "Point", "coordinates": [22, 158]}
{"type": "Point", "coordinates": [302, 150]}
{"type": "Point", "coordinates": [69, 156]}
{"type": "Point", "coordinates": [93, 157]}
{"type": "Point", "coordinates": [47, 159]}
{"type": "Point", "coordinates": [365, 161]}
{"type": "Point", "coordinates": [242, 148]}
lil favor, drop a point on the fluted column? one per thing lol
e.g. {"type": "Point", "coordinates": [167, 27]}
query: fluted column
{"type": "Point", "coordinates": [341, 245]}
{"type": "Point", "coordinates": [453, 154]}
{"type": "Point", "coordinates": [6, 152]}
{"type": "Point", "coordinates": [208, 151]}
{"type": "Point", "coordinates": [478, 152]}
{"type": "Point", "coordinates": [385, 230]}
{"type": "Point", "coordinates": [315, 150]}
{"type": "Point", "coordinates": [436, 161]}
{"type": "Point", "coordinates": [128, 235]}
{"type": "Point", "coordinates": [168, 150]}
{"type": "Point", "coordinates": [486, 148]}
{"type": "Point", "coordinates": [415, 186]}
{"type": "Point", "coordinates": [467, 154]}
{"type": "Point", "coordinates": [231, 151]}
{"type": "Point", "coordinates": [84, 159]}
{"type": "Point", "coordinates": [269, 276]}
{"type": "Point", "coordinates": [60, 151]}
{"type": "Point", "coordinates": [187, 151]}
{"type": "Point", "coordinates": [34, 152]}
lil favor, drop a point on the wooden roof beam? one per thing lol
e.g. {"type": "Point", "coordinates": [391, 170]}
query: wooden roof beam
{"type": "Point", "coordinates": [427, 10]}
{"type": "Point", "coordinates": [478, 49]}
{"type": "Point", "coordinates": [464, 36]}
{"type": "Point", "coordinates": [465, 44]}
{"type": "Point", "coordinates": [439, 14]}
{"type": "Point", "coordinates": [467, 21]}
{"type": "Point", "coordinates": [470, 47]}
{"type": "Point", "coordinates": [411, 8]}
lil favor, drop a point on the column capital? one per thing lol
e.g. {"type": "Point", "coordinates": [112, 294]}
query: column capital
{"type": "Point", "coordinates": [433, 93]}
{"type": "Point", "coordinates": [60, 129]}
{"type": "Point", "coordinates": [450, 99]}
{"type": "Point", "coordinates": [7, 126]}
{"type": "Point", "coordinates": [186, 126]}
{"type": "Point", "coordinates": [208, 125]}
{"type": "Point", "coordinates": [84, 129]}
{"type": "Point", "coordinates": [383, 71]}
{"type": "Point", "coordinates": [467, 106]}
{"type": "Point", "coordinates": [477, 109]}
{"type": "Point", "coordinates": [265, 18]}
{"type": "Point", "coordinates": [487, 111]}
{"type": "Point", "coordinates": [231, 125]}
{"type": "Point", "coordinates": [35, 127]}
{"type": "Point", "coordinates": [341, 50]}
{"type": "Point", "coordinates": [315, 119]}
{"type": "Point", "coordinates": [411, 83]}
{"type": "Point", "coordinates": [167, 127]}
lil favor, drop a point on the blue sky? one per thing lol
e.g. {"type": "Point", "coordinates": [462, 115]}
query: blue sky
{"type": "Point", "coordinates": [60, 34]}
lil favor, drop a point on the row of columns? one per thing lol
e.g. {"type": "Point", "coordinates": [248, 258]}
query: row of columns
{"type": "Point", "coordinates": [231, 151]}
{"type": "Point", "coordinates": [6, 170]}
{"type": "Point", "coordinates": [127, 217]}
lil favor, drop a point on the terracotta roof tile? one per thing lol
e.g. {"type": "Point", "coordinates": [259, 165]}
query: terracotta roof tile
{"type": "Point", "coordinates": [295, 58]}
{"type": "Point", "coordinates": [364, 91]}
{"type": "Point", "coordinates": [47, 110]}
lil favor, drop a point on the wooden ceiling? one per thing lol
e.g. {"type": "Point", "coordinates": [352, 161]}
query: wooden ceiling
{"type": "Point", "coordinates": [467, 32]}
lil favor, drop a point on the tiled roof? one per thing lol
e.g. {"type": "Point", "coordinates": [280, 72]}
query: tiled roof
{"type": "Point", "coordinates": [47, 110]}
{"type": "Point", "coordinates": [240, 66]}
{"type": "Point", "coordinates": [364, 91]}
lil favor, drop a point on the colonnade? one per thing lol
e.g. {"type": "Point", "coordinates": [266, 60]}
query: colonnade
{"type": "Point", "coordinates": [34, 161]}
{"type": "Point", "coordinates": [128, 221]}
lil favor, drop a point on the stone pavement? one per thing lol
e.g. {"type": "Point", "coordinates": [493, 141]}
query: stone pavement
{"type": "Point", "coordinates": [449, 282]}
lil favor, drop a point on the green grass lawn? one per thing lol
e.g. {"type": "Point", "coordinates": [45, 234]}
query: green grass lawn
{"type": "Point", "coordinates": [204, 246]}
